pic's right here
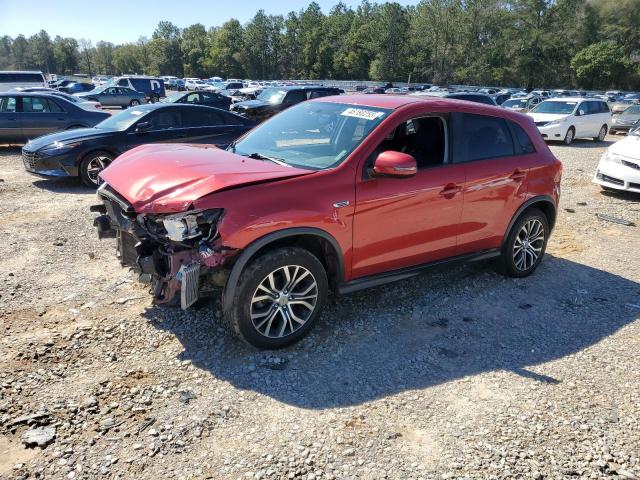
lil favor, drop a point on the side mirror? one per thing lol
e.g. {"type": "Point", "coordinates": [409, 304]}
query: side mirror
{"type": "Point", "coordinates": [580, 113]}
{"type": "Point", "coordinates": [395, 164]}
{"type": "Point", "coordinates": [143, 127]}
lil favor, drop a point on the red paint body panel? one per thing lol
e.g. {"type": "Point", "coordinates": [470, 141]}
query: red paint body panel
{"type": "Point", "coordinates": [389, 223]}
{"type": "Point", "coordinates": [168, 178]}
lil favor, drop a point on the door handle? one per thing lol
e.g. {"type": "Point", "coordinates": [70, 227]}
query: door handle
{"type": "Point", "coordinates": [450, 190]}
{"type": "Point", "coordinates": [518, 175]}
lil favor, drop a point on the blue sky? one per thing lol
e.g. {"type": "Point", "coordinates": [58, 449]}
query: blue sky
{"type": "Point", "coordinates": [120, 21]}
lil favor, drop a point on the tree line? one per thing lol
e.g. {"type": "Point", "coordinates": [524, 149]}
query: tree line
{"type": "Point", "coordinates": [526, 43]}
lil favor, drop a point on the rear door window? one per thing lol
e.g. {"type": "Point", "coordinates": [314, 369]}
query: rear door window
{"type": "Point", "coordinates": [480, 137]}
{"type": "Point", "coordinates": [7, 104]}
{"type": "Point", "coordinates": [523, 143]}
{"type": "Point", "coordinates": [35, 105]}
{"type": "Point", "coordinates": [53, 106]}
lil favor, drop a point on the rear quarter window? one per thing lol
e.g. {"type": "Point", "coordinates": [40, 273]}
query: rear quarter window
{"type": "Point", "coordinates": [523, 143]}
{"type": "Point", "coordinates": [480, 137]}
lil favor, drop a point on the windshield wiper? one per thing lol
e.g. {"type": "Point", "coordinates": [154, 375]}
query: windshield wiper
{"type": "Point", "coordinates": [259, 156]}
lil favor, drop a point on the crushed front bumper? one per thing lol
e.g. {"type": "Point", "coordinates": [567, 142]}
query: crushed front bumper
{"type": "Point", "coordinates": [191, 269]}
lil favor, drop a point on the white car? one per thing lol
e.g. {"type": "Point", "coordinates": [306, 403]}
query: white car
{"type": "Point", "coordinates": [565, 119]}
{"type": "Point", "coordinates": [195, 84]}
{"type": "Point", "coordinates": [619, 167]}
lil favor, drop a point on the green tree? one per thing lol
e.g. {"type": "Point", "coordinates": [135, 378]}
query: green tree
{"type": "Point", "coordinates": [601, 65]}
{"type": "Point", "coordinates": [390, 44]}
{"type": "Point", "coordinates": [225, 53]}
{"type": "Point", "coordinates": [41, 52]}
{"type": "Point", "coordinates": [66, 54]}
{"type": "Point", "coordinates": [165, 50]}
{"type": "Point", "coordinates": [194, 49]}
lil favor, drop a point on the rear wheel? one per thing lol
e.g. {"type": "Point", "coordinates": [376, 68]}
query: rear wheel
{"type": "Point", "coordinates": [92, 165]}
{"type": "Point", "coordinates": [570, 136]}
{"type": "Point", "coordinates": [525, 245]}
{"type": "Point", "coordinates": [601, 134]}
{"type": "Point", "coordinates": [278, 298]}
{"type": "Point", "coordinates": [153, 99]}
{"type": "Point", "coordinates": [134, 103]}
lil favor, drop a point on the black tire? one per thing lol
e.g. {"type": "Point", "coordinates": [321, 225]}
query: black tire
{"type": "Point", "coordinates": [134, 103]}
{"type": "Point", "coordinates": [86, 175]}
{"type": "Point", "coordinates": [154, 99]}
{"type": "Point", "coordinates": [601, 136]}
{"type": "Point", "coordinates": [570, 137]}
{"type": "Point", "coordinates": [507, 264]}
{"type": "Point", "coordinates": [238, 314]}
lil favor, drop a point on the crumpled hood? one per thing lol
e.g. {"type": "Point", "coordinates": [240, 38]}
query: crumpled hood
{"type": "Point", "coordinates": [547, 117]}
{"type": "Point", "coordinates": [168, 178]}
{"type": "Point", "coordinates": [67, 136]}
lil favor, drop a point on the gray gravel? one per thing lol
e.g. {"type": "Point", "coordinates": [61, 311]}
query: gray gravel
{"type": "Point", "coordinates": [459, 373]}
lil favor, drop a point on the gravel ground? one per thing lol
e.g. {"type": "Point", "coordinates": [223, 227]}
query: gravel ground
{"type": "Point", "coordinates": [459, 373]}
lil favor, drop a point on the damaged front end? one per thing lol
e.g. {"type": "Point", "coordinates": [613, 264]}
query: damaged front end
{"type": "Point", "coordinates": [174, 253]}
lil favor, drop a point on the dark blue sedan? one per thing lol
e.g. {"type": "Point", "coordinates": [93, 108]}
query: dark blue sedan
{"type": "Point", "coordinates": [86, 152]}
{"type": "Point", "coordinates": [25, 115]}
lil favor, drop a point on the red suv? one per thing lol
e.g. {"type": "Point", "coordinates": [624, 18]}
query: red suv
{"type": "Point", "coordinates": [339, 193]}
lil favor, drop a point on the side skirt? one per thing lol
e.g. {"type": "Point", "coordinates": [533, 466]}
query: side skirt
{"type": "Point", "coordinates": [404, 273]}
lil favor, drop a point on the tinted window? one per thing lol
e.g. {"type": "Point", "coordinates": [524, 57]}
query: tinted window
{"type": "Point", "coordinates": [123, 82]}
{"type": "Point", "coordinates": [211, 97]}
{"type": "Point", "coordinates": [592, 107]}
{"type": "Point", "coordinates": [7, 104]}
{"type": "Point", "coordinates": [36, 105]}
{"type": "Point", "coordinates": [320, 93]}
{"type": "Point", "coordinates": [480, 137]}
{"type": "Point", "coordinates": [523, 142]}
{"type": "Point", "coordinates": [295, 96]}
{"type": "Point", "coordinates": [473, 98]}
{"type": "Point", "coordinates": [192, 98]}
{"type": "Point", "coordinates": [199, 117]}
{"type": "Point", "coordinates": [164, 120]}
{"type": "Point", "coordinates": [53, 106]}
{"type": "Point", "coordinates": [604, 107]}
{"type": "Point", "coordinates": [21, 78]}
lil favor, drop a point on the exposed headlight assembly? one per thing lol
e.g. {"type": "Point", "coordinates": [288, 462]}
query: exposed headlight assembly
{"type": "Point", "coordinates": [58, 146]}
{"type": "Point", "coordinates": [190, 225]}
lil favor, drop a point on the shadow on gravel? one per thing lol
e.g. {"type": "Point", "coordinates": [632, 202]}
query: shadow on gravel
{"type": "Point", "coordinates": [7, 150]}
{"type": "Point", "coordinates": [584, 143]}
{"type": "Point", "coordinates": [63, 185]}
{"type": "Point", "coordinates": [411, 335]}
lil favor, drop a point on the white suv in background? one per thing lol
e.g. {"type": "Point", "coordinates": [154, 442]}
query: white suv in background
{"type": "Point", "coordinates": [566, 119]}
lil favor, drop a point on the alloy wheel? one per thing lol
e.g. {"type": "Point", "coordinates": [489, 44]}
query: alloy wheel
{"type": "Point", "coordinates": [528, 244]}
{"type": "Point", "coordinates": [95, 166]}
{"type": "Point", "coordinates": [284, 301]}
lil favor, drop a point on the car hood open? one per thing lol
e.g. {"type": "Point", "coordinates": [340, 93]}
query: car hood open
{"type": "Point", "coordinates": [169, 178]}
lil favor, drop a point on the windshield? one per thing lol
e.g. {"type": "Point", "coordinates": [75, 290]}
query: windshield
{"type": "Point", "coordinates": [312, 135]}
{"type": "Point", "coordinates": [560, 108]}
{"type": "Point", "coordinates": [121, 121]}
{"type": "Point", "coordinates": [515, 103]}
{"type": "Point", "coordinates": [272, 95]}
{"type": "Point", "coordinates": [633, 110]}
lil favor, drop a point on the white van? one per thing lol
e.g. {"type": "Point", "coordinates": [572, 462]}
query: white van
{"type": "Point", "coordinates": [565, 119]}
{"type": "Point", "coordinates": [15, 79]}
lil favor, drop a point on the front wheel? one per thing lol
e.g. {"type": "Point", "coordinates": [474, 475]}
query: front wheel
{"type": "Point", "coordinates": [525, 245]}
{"type": "Point", "coordinates": [570, 136]}
{"type": "Point", "coordinates": [601, 134]}
{"type": "Point", "coordinates": [153, 99]}
{"type": "Point", "coordinates": [134, 103]}
{"type": "Point", "coordinates": [92, 165]}
{"type": "Point", "coordinates": [278, 298]}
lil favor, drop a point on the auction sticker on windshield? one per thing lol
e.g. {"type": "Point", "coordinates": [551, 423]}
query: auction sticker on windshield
{"type": "Point", "coordinates": [362, 113]}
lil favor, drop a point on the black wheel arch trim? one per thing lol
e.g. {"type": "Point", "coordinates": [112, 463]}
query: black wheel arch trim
{"type": "Point", "coordinates": [248, 253]}
{"type": "Point", "coordinates": [532, 201]}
